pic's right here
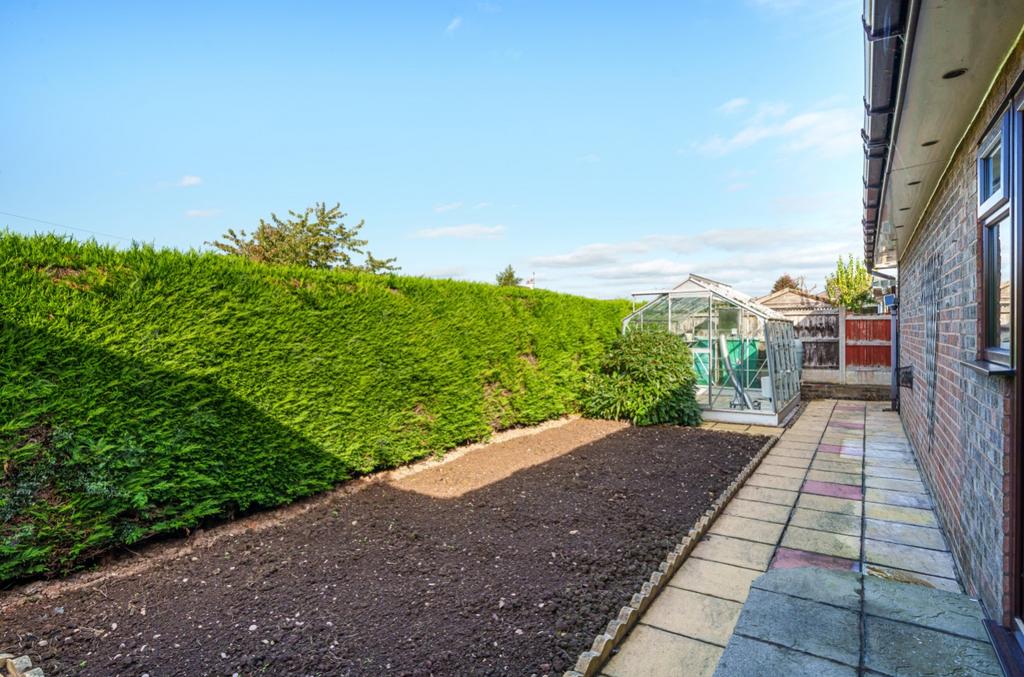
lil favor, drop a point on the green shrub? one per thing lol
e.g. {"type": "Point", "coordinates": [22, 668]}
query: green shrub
{"type": "Point", "coordinates": [647, 377]}
{"type": "Point", "coordinates": [144, 391]}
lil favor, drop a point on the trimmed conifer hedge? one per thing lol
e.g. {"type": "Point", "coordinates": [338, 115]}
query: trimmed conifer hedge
{"type": "Point", "coordinates": [143, 391]}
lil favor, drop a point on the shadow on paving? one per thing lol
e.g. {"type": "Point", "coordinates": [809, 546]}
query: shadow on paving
{"type": "Point", "coordinates": [514, 577]}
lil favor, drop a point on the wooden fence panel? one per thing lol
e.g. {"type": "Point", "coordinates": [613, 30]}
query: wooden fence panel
{"type": "Point", "coordinates": [875, 329]}
{"type": "Point", "coordinates": [821, 354]}
{"type": "Point", "coordinates": [868, 356]}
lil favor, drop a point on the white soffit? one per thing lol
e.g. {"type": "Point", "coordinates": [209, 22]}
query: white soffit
{"type": "Point", "coordinates": [971, 34]}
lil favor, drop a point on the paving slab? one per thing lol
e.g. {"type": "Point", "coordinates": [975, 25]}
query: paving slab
{"type": "Point", "coordinates": [773, 468]}
{"type": "Point", "coordinates": [835, 464]}
{"type": "Point", "coordinates": [892, 473]}
{"type": "Point", "coordinates": [810, 627]}
{"type": "Point", "coordinates": [714, 578]}
{"type": "Point", "coordinates": [903, 498]}
{"type": "Point", "coordinates": [905, 534]}
{"type": "Point", "coordinates": [768, 512]}
{"type": "Point", "coordinates": [760, 479]}
{"type": "Point", "coordinates": [832, 489]}
{"type": "Point", "coordinates": [912, 578]}
{"type": "Point", "coordinates": [649, 651]}
{"type": "Point", "coordinates": [814, 584]}
{"type": "Point", "coordinates": [854, 479]}
{"type": "Point", "coordinates": [921, 560]}
{"type": "Point", "coordinates": [745, 657]}
{"type": "Point", "coordinates": [765, 495]}
{"type": "Point", "coordinates": [822, 542]}
{"type": "Point", "coordinates": [898, 649]}
{"type": "Point", "coordinates": [895, 513]}
{"type": "Point", "coordinates": [843, 506]}
{"type": "Point", "coordinates": [787, 558]}
{"type": "Point", "coordinates": [918, 605]}
{"type": "Point", "coordinates": [695, 615]}
{"type": "Point", "coordinates": [896, 485]}
{"type": "Point", "coordinates": [849, 525]}
{"type": "Point", "coordinates": [734, 551]}
{"type": "Point", "coordinates": [748, 529]}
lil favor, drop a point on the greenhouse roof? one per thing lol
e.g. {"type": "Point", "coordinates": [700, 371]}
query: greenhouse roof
{"type": "Point", "coordinates": [700, 284]}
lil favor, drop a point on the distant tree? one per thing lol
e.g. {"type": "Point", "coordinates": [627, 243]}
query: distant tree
{"type": "Point", "coordinates": [850, 285]}
{"type": "Point", "coordinates": [507, 277]}
{"type": "Point", "coordinates": [787, 281]}
{"type": "Point", "coordinates": [316, 238]}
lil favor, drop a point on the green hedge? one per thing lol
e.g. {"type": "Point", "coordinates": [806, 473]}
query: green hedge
{"type": "Point", "coordinates": [142, 391]}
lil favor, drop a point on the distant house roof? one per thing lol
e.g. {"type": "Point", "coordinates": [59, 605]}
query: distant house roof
{"type": "Point", "coordinates": [794, 298]}
{"type": "Point", "coordinates": [698, 284]}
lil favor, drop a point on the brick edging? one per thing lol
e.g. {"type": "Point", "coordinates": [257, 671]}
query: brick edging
{"type": "Point", "coordinates": [590, 662]}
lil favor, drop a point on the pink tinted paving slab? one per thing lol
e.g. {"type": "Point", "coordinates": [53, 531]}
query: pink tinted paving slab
{"type": "Point", "coordinates": [833, 489]}
{"type": "Point", "coordinates": [787, 558]}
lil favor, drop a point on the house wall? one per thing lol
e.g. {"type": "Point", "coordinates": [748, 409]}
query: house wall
{"type": "Point", "coordinates": [957, 419]}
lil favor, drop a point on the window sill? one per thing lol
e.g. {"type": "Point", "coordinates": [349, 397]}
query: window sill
{"type": "Point", "coordinates": [989, 368]}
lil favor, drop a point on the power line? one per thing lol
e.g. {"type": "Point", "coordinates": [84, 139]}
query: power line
{"type": "Point", "coordinates": [61, 225]}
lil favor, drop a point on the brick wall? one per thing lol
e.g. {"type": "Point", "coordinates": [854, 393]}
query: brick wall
{"type": "Point", "coordinates": [957, 419]}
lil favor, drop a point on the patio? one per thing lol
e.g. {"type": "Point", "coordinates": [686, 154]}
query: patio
{"type": "Point", "coordinates": [859, 578]}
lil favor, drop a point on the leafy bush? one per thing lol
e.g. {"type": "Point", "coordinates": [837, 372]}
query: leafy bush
{"type": "Point", "coordinates": [647, 377]}
{"type": "Point", "coordinates": [144, 391]}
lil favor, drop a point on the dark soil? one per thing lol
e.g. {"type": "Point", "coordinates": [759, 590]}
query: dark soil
{"type": "Point", "coordinates": [507, 560]}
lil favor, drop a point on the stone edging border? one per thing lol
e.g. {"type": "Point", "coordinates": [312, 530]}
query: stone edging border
{"type": "Point", "coordinates": [590, 662]}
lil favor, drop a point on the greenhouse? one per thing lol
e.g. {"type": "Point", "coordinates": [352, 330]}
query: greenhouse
{"type": "Point", "coordinates": [746, 355]}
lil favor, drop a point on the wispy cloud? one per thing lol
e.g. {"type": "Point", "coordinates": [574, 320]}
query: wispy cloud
{"type": "Point", "coordinates": [446, 207]}
{"type": "Point", "coordinates": [488, 7]}
{"type": "Point", "coordinates": [482, 205]}
{"type": "Point", "coordinates": [652, 269]}
{"type": "Point", "coordinates": [201, 213]}
{"type": "Point", "coordinates": [733, 105]}
{"type": "Point", "coordinates": [468, 231]}
{"type": "Point", "coordinates": [453, 25]}
{"type": "Point", "coordinates": [188, 181]}
{"type": "Point", "coordinates": [585, 256]}
{"type": "Point", "coordinates": [591, 158]}
{"type": "Point", "coordinates": [828, 132]}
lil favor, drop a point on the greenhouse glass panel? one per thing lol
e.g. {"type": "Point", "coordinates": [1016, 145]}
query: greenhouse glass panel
{"type": "Point", "coordinates": [744, 354]}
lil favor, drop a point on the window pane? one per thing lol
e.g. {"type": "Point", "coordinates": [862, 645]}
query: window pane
{"type": "Point", "coordinates": [995, 167]}
{"type": "Point", "coordinates": [1004, 254]}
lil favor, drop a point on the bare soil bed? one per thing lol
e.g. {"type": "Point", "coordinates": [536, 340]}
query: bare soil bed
{"type": "Point", "coordinates": [506, 560]}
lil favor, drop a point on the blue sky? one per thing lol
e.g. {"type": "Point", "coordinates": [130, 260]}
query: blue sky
{"type": "Point", "coordinates": [607, 147]}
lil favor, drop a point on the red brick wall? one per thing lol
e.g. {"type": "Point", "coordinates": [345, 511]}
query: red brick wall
{"type": "Point", "coordinates": [958, 419]}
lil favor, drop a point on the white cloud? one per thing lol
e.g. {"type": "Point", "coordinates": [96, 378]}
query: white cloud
{"type": "Point", "coordinates": [644, 270]}
{"type": "Point", "coordinates": [733, 105]}
{"type": "Point", "coordinates": [468, 231]}
{"type": "Point", "coordinates": [591, 158]}
{"type": "Point", "coordinates": [736, 187]}
{"type": "Point", "coordinates": [585, 256]}
{"type": "Point", "coordinates": [453, 25]}
{"type": "Point", "coordinates": [442, 208]}
{"type": "Point", "coordinates": [481, 205]}
{"type": "Point", "coordinates": [188, 181]}
{"type": "Point", "coordinates": [201, 213]}
{"type": "Point", "coordinates": [827, 132]}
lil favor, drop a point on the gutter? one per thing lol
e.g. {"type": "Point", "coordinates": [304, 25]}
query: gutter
{"type": "Point", "coordinates": [886, 42]}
